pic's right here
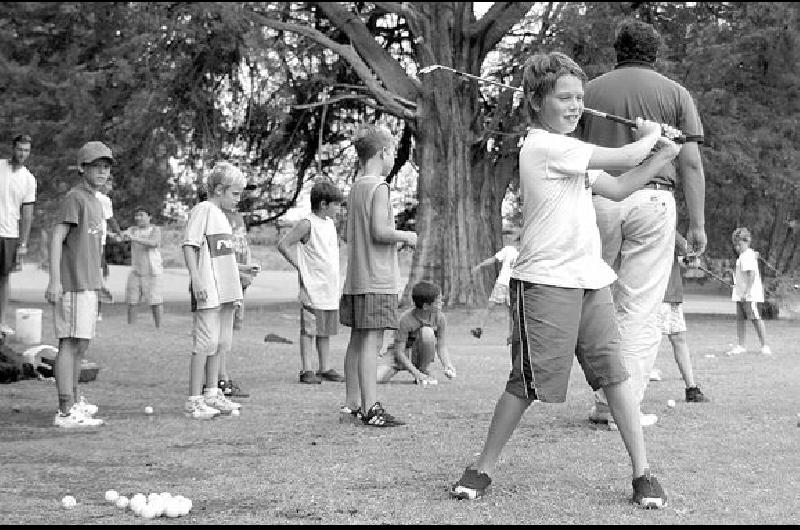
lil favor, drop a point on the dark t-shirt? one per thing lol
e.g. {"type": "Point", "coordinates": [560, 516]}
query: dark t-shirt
{"type": "Point", "coordinates": [80, 253]}
{"type": "Point", "coordinates": [633, 89]}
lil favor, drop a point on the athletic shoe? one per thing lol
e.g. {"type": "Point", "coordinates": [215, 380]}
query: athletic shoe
{"type": "Point", "coordinates": [765, 350]}
{"type": "Point", "coordinates": [599, 417]}
{"type": "Point", "coordinates": [655, 375]}
{"type": "Point", "coordinates": [736, 350]}
{"type": "Point", "coordinates": [350, 416]}
{"type": "Point", "coordinates": [198, 409]}
{"type": "Point", "coordinates": [471, 485]}
{"type": "Point", "coordinates": [331, 375]}
{"type": "Point", "coordinates": [75, 418]}
{"type": "Point", "coordinates": [221, 403]}
{"type": "Point", "coordinates": [308, 377]}
{"type": "Point", "coordinates": [647, 492]}
{"type": "Point", "coordinates": [232, 390]}
{"type": "Point", "coordinates": [86, 407]}
{"type": "Point", "coordinates": [695, 395]}
{"type": "Point", "coordinates": [376, 416]}
{"type": "Point", "coordinates": [476, 332]}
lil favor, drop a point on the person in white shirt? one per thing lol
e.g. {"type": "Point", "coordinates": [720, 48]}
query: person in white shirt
{"type": "Point", "coordinates": [499, 297]}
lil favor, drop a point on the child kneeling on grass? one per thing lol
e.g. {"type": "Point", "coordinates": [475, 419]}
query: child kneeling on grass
{"type": "Point", "coordinates": [560, 297]}
{"type": "Point", "coordinates": [420, 338]}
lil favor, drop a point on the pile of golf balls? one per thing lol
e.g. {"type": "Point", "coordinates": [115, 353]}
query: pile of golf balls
{"type": "Point", "coordinates": [154, 505]}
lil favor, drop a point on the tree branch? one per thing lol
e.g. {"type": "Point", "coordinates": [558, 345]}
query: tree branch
{"type": "Point", "coordinates": [500, 18]}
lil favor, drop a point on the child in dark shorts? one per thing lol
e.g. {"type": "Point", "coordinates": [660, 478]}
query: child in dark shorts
{"type": "Point", "coordinates": [560, 298]}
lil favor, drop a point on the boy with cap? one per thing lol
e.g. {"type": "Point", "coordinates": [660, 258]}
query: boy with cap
{"type": "Point", "coordinates": [75, 279]}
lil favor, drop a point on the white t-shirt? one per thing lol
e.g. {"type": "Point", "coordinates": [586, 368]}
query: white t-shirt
{"type": "Point", "coordinates": [318, 261]}
{"type": "Point", "coordinates": [747, 261]}
{"type": "Point", "coordinates": [108, 213]}
{"type": "Point", "coordinates": [560, 244]}
{"type": "Point", "coordinates": [507, 256]}
{"type": "Point", "coordinates": [16, 188]}
{"type": "Point", "coordinates": [209, 229]}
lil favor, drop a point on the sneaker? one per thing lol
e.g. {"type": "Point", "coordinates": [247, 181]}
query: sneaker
{"type": "Point", "coordinates": [351, 416]}
{"type": "Point", "coordinates": [75, 418]}
{"type": "Point", "coordinates": [376, 416]}
{"type": "Point", "coordinates": [330, 375]}
{"type": "Point", "coordinates": [221, 403]}
{"type": "Point", "coordinates": [272, 337]}
{"type": "Point", "coordinates": [647, 492]}
{"type": "Point", "coordinates": [599, 417]}
{"type": "Point", "coordinates": [232, 390]}
{"type": "Point", "coordinates": [655, 375]}
{"type": "Point", "coordinates": [736, 350]}
{"type": "Point", "coordinates": [308, 377]}
{"type": "Point", "coordinates": [695, 395]}
{"type": "Point", "coordinates": [476, 332]}
{"type": "Point", "coordinates": [86, 407]}
{"type": "Point", "coordinates": [765, 350]}
{"type": "Point", "coordinates": [198, 409]}
{"type": "Point", "coordinates": [471, 485]}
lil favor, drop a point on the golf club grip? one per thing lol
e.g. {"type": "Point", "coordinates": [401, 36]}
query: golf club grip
{"type": "Point", "coordinates": [625, 121]}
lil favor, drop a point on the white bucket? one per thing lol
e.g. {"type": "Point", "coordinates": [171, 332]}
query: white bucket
{"type": "Point", "coordinates": [29, 326]}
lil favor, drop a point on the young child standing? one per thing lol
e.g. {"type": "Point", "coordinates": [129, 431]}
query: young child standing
{"type": "Point", "coordinates": [560, 296]}
{"type": "Point", "coordinates": [747, 293]}
{"type": "Point", "coordinates": [316, 259]}
{"type": "Point", "coordinates": [146, 266]}
{"type": "Point", "coordinates": [75, 280]}
{"type": "Point", "coordinates": [420, 338]}
{"type": "Point", "coordinates": [507, 256]}
{"type": "Point", "coordinates": [369, 298]}
{"type": "Point", "coordinates": [208, 250]}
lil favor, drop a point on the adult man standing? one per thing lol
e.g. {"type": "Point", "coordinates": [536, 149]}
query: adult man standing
{"type": "Point", "coordinates": [638, 233]}
{"type": "Point", "coordinates": [17, 195]}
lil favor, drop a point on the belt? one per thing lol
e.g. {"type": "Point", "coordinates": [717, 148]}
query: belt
{"type": "Point", "coordinates": [659, 186]}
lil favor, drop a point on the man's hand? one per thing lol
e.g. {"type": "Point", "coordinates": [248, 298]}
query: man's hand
{"type": "Point", "coordinates": [53, 292]}
{"type": "Point", "coordinates": [696, 240]}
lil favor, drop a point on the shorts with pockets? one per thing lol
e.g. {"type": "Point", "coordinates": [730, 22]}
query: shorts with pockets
{"type": "Point", "coordinates": [368, 311]}
{"type": "Point", "coordinates": [75, 315]}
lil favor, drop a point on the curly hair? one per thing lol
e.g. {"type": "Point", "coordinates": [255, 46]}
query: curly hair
{"type": "Point", "coordinates": [424, 293]}
{"type": "Point", "coordinates": [636, 41]}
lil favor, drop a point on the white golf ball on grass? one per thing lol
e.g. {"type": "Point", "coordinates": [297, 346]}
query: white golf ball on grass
{"type": "Point", "coordinates": [671, 403]}
{"type": "Point", "coordinates": [112, 496]}
{"type": "Point", "coordinates": [148, 410]}
{"type": "Point", "coordinates": [122, 502]}
{"type": "Point", "coordinates": [69, 502]}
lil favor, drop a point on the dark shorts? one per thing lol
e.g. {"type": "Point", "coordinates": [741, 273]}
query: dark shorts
{"type": "Point", "coordinates": [551, 326]}
{"type": "Point", "coordinates": [318, 322]}
{"type": "Point", "coordinates": [747, 311]}
{"type": "Point", "coordinates": [368, 311]}
{"type": "Point", "coordinates": [8, 254]}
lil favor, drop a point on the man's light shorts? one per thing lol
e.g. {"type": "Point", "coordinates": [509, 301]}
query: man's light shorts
{"type": "Point", "coordinates": [747, 311]}
{"type": "Point", "coordinates": [318, 322]}
{"type": "Point", "coordinates": [212, 330]}
{"type": "Point", "coordinates": [75, 315]}
{"type": "Point", "coordinates": [670, 318]}
{"type": "Point", "coordinates": [552, 326]}
{"type": "Point", "coordinates": [500, 294]}
{"type": "Point", "coordinates": [145, 288]}
{"type": "Point", "coordinates": [368, 311]}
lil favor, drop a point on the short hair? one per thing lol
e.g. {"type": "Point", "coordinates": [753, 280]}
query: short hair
{"type": "Point", "coordinates": [327, 191]}
{"type": "Point", "coordinates": [540, 74]}
{"type": "Point", "coordinates": [370, 139]}
{"type": "Point", "coordinates": [424, 293]}
{"type": "Point", "coordinates": [142, 208]}
{"type": "Point", "coordinates": [225, 174]}
{"type": "Point", "coordinates": [741, 234]}
{"type": "Point", "coordinates": [21, 139]}
{"type": "Point", "coordinates": [636, 41]}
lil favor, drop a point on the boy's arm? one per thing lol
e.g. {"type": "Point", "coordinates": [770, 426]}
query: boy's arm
{"type": "Point", "coordinates": [484, 263]}
{"type": "Point", "coordinates": [382, 224]}
{"type": "Point", "coordinates": [191, 255]}
{"type": "Point", "coordinates": [630, 155]}
{"type": "Point", "coordinates": [400, 337]}
{"type": "Point", "coordinates": [442, 351]}
{"type": "Point", "coordinates": [749, 279]}
{"type": "Point", "coordinates": [154, 241]}
{"type": "Point", "coordinates": [53, 291]}
{"type": "Point", "coordinates": [617, 188]}
{"type": "Point", "coordinates": [299, 232]}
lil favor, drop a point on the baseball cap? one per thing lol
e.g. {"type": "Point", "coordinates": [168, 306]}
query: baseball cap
{"type": "Point", "coordinates": [92, 151]}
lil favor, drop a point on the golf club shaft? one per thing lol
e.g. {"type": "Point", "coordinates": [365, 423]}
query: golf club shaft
{"type": "Point", "coordinates": [718, 278]}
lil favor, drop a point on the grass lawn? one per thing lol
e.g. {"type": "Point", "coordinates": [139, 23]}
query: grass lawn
{"type": "Point", "coordinates": [287, 460]}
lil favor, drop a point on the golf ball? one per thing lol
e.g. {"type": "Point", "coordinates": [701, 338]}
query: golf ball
{"type": "Point", "coordinates": [671, 403]}
{"type": "Point", "coordinates": [148, 410]}
{"type": "Point", "coordinates": [235, 412]}
{"type": "Point", "coordinates": [174, 508]}
{"type": "Point", "coordinates": [112, 496]}
{"type": "Point", "coordinates": [69, 502]}
{"type": "Point", "coordinates": [148, 511]}
{"type": "Point", "coordinates": [122, 502]}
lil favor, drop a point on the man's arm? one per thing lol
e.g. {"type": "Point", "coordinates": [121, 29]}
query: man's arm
{"type": "Point", "coordinates": [382, 224]}
{"type": "Point", "coordinates": [690, 170]}
{"type": "Point", "coordinates": [299, 232]}
{"type": "Point", "coordinates": [53, 291]}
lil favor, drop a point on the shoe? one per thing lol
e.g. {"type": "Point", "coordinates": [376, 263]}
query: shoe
{"type": "Point", "coordinates": [647, 492]}
{"type": "Point", "coordinates": [310, 378]}
{"type": "Point", "coordinates": [330, 375]}
{"type": "Point", "coordinates": [198, 409]}
{"type": "Point", "coordinates": [646, 420]}
{"type": "Point", "coordinates": [75, 418]}
{"type": "Point", "coordinates": [599, 417]}
{"type": "Point", "coordinates": [736, 350]}
{"type": "Point", "coordinates": [765, 350]}
{"type": "Point", "coordinates": [476, 332]}
{"type": "Point", "coordinates": [271, 337]}
{"type": "Point", "coordinates": [376, 416]}
{"type": "Point", "coordinates": [471, 485]}
{"type": "Point", "coordinates": [86, 407]}
{"type": "Point", "coordinates": [221, 403]}
{"type": "Point", "coordinates": [351, 416]}
{"type": "Point", "coordinates": [655, 375]}
{"type": "Point", "coordinates": [232, 390]}
{"type": "Point", "coordinates": [695, 395]}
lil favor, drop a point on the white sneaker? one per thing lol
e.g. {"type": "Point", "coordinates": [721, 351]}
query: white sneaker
{"type": "Point", "coordinates": [736, 350]}
{"type": "Point", "coordinates": [198, 410]}
{"type": "Point", "coordinates": [75, 418]}
{"type": "Point", "coordinates": [86, 407]}
{"type": "Point", "coordinates": [646, 420]}
{"type": "Point", "coordinates": [655, 375]}
{"type": "Point", "coordinates": [765, 350]}
{"type": "Point", "coordinates": [221, 403]}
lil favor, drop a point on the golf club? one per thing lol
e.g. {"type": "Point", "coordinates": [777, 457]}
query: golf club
{"type": "Point", "coordinates": [619, 119]}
